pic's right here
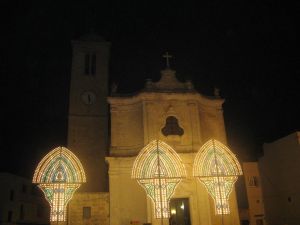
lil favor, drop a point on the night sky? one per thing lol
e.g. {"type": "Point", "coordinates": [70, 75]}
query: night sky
{"type": "Point", "coordinates": [248, 49]}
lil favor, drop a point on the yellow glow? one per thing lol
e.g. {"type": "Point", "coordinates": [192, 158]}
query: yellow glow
{"type": "Point", "coordinates": [59, 175]}
{"type": "Point", "coordinates": [158, 169]}
{"type": "Point", "coordinates": [173, 211]}
{"type": "Point", "coordinates": [182, 206]}
{"type": "Point", "coordinates": [217, 168]}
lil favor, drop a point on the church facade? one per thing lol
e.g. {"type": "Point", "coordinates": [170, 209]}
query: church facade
{"type": "Point", "coordinates": [168, 110]}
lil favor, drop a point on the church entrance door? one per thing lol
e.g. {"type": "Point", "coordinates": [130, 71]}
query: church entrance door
{"type": "Point", "coordinates": [180, 211]}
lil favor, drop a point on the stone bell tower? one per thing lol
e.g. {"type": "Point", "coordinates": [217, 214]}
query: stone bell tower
{"type": "Point", "coordinates": [88, 110]}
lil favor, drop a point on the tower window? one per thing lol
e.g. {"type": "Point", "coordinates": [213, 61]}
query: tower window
{"type": "Point", "coordinates": [93, 65]}
{"type": "Point", "coordinates": [87, 64]}
{"type": "Point", "coordinates": [172, 127]}
{"type": "Point", "coordinates": [90, 64]}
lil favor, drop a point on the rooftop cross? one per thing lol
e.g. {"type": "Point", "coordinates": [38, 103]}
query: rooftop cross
{"type": "Point", "coordinates": [167, 56]}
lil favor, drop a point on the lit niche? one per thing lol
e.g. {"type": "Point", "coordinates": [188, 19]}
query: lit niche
{"type": "Point", "coordinates": [58, 175]}
{"type": "Point", "coordinates": [218, 169]}
{"type": "Point", "coordinates": [158, 169]}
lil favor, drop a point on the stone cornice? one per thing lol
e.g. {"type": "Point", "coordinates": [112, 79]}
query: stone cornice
{"type": "Point", "coordinates": [155, 96]}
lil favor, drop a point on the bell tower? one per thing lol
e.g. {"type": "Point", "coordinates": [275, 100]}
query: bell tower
{"type": "Point", "coordinates": [88, 109]}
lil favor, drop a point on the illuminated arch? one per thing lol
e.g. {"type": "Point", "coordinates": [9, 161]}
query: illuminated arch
{"type": "Point", "coordinates": [158, 169]}
{"type": "Point", "coordinates": [59, 161]}
{"type": "Point", "coordinates": [58, 175]}
{"type": "Point", "coordinates": [217, 168]}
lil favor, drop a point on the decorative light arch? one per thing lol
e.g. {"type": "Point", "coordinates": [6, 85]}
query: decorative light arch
{"type": "Point", "coordinates": [218, 169]}
{"type": "Point", "coordinates": [58, 175]}
{"type": "Point", "coordinates": [158, 169]}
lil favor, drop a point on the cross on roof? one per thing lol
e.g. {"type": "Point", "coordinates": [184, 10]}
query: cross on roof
{"type": "Point", "coordinates": [167, 56]}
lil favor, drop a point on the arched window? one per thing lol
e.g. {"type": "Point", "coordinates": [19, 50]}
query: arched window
{"type": "Point", "coordinates": [87, 64]}
{"type": "Point", "coordinates": [172, 127]}
{"type": "Point", "coordinates": [93, 65]}
{"type": "Point", "coordinates": [90, 64]}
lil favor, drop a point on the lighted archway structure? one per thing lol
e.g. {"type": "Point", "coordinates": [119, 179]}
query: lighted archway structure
{"type": "Point", "coordinates": [58, 175]}
{"type": "Point", "coordinates": [158, 169]}
{"type": "Point", "coordinates": [218, 169]}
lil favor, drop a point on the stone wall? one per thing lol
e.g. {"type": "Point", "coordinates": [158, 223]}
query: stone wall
{"type": "Point", "coordinates": [279, 168]}
{"type": "Point", "coordinates": [99, 206]}
{"type": "Point", "coordinates": [254, 191]}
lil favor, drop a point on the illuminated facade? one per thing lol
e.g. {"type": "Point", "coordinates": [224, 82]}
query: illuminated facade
{"type": "Point", "coordinates": [174, 113]}
{"type": "Point", "coordinates": [158, 169]}
{"type": "Point", "coordinates": [58, 175]}
{"type": "Point", "coordinates": [218, 169]}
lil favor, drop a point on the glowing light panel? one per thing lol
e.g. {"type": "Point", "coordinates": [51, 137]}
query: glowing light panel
{"type": "Point", "coordinates": [218, 169]}
{"type": "Point", "coordinates": [58, 175]}
{"type": "Point", "coordinates": [158, 169]}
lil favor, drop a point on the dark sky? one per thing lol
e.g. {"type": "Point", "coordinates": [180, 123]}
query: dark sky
{"type": "Point", "coordinates": [249, 49]}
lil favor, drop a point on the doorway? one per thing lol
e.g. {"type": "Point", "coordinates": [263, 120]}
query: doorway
{"type": "Point", "coordinates": [180, 211]}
